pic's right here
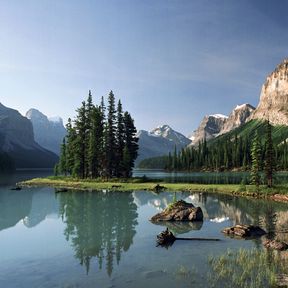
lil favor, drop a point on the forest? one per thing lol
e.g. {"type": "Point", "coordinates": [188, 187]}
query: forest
{"type": "Point", "coordinates": [100, 142]}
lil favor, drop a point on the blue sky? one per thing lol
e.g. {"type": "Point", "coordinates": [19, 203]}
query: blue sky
{"type": "Point", "coordinates": [170, 61]}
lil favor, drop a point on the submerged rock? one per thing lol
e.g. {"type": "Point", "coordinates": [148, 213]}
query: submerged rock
{"type": "Point", "coordinates": [244, 231]}
{"type": "Point", "coordinates": [179, 211]}
{"type": "Point", "coordinates": [275, 244]}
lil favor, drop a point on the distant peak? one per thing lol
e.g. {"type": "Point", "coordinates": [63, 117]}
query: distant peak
{"type": "Point", "coordinates": [242, 106]}
{"type": "Point", "coordinates": [219, 116]}
{"type": "Point", "coordinates": [34, 113]}
{"type": "Point", "coordinates": [55, 119]}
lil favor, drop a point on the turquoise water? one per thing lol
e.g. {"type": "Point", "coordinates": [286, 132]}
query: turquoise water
{"type": "Point", "coordinates": [105, 239]}
{"type": "Point", "coordinates": [206, 177]}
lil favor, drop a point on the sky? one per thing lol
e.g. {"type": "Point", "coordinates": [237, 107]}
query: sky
{"type": "Point", "coordinates": [169, 61]}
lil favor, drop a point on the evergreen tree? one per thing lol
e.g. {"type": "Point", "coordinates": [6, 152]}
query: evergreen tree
{"type": "Point", "coordinates": [120, 138]}
{"type": "Point", "coordinates": [63, 159]}
{"type": "Point", "coordinates": [131, 145]}
{"type": "Point", "coordinates": [269, 155]}
{"type": "Point", "coordinates": [95, 150]}
{"type": "Point", "coordinates": [256, 165]}
{"type": "Point", "coordinates": [110, 143]}
{"type": "Point", "coordinates": [80, 142]}
{"type": "Point", "coordinates": [70, 147]}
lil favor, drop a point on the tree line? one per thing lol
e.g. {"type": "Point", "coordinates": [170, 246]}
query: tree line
{"type": "Point", "coordinates": [230, 152]}
{"type": "Point", "coordinates": [100, 142]}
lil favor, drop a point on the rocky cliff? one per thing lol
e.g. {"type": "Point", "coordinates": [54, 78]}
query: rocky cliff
{"type": "Point", "coordinates": [48, 132]}
{"type": "Point", "coordinates": [214, 125]}
{"type": "Point", "coordinates": [17, 140]}
{"type": "Point", "coordinates": [237, 117]}
{"type": "Point", "coordinates": [273, 103]}
{"type": "Point", "coordinates": [209, 128]}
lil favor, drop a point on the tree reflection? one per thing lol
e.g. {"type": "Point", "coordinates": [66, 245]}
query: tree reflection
{"type": "Point", "coordinates": [100, 225]}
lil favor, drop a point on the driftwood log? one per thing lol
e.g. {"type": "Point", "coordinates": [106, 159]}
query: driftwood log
{"type": "Point", "coordinates": [166, 238]}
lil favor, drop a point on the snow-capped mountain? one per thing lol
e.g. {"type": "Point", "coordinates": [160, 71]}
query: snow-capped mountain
{"type": "Point", "coordinates": [214, 125]}
{"type": "Point", "coordinates": [48, 132]}
{"type": "Point", "coordinates": [159, 141]}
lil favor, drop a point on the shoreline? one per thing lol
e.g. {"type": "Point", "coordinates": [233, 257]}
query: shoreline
{"type": "Point", "coordinates": [277, 193]}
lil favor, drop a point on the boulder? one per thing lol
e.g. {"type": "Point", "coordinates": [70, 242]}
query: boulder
{"type": "Point", "coordinates": [275, 244]}
{"type": "Point", "coordinates": [179, 211]}
{"type": "Point", "coordinates": [244, 231]}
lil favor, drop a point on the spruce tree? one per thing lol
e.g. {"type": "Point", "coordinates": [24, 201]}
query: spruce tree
{"type": "Point", "coordinates": [131, 145]}
{"type": "Point", "coordinates": [269, 155]}
{"type": "Point", "coordinates": [110, 143]}
{"type": "Point", "coordinates": [80, 142]}
{"type": "Point", "coordinates": [120, 144]}
{"type": "Point", "coordinates": [95, 149]}
{"type": "Point", "coordinates": [70, 147]}
{"type": "Point", "coordinates": [256, 162]}
{"type": "Point", "coordinates": [63, 159]}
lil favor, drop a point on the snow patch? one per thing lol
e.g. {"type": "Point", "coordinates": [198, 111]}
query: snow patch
{"type": "Point", "coordinates": [219, 116]}
{"type": "Point", "coordinates": [241, 106]}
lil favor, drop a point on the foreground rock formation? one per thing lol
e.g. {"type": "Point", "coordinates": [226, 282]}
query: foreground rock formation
{"type": "Point", "coordinates": [179, 211]}
{"type": "Point", "coordinates": [273, 103]}
{"type": "Point", "coordinates": [244, 231]}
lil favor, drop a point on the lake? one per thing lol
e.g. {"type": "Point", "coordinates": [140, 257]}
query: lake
{"type": "Point", "coordinates": [206, 177]}
{"type": "Point", "coordinates": [105, 239]}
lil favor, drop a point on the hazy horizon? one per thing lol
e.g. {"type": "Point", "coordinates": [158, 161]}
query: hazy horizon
{"type": "Point", "coordinates": [170, 62]}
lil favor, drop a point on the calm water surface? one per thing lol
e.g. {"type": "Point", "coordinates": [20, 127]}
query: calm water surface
{"type": "Point", "coordinates": [105, 239]}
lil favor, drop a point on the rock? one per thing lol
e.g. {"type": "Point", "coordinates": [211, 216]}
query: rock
{"type": "Point", "coordinates": [275, 244]}
{"type": "Point", "coordinates": [244, 231]}
{"type": "Point", "coordinates": [179, 211]}
{"type": "Point", "coordinates": [273, 103]}
{"type": "Point", "coordinates": [282, 280]}
{"type": "Point", "coordinates": [158, 188]}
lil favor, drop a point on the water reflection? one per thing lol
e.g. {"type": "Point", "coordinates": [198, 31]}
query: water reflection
{"type": "Point", "coordinates": [30, 205]}
{"type": "Point", "coordinates": [99, 225]}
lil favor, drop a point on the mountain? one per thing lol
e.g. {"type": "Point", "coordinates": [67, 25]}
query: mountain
{"type": "Point", "coordinates": [237, 117]}
{"type": "Point", "coordinates": [48, 132]}
{"type": "Point", "coordinates": [273, 103]}
{"type": "Point", "coordinates": [209, 128]}
{"type": "Point", "coordinates": [214, 125]}
{"type": "Point", "coordinates": [17, 140]}
{"type": "Point", "coordinates": [160, 141]}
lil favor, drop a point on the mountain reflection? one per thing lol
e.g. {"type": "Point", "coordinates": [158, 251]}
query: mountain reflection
{"type": "Point", "coordinates": [30, 205]}
{"type": "Point", "coordinates": [99, 225]}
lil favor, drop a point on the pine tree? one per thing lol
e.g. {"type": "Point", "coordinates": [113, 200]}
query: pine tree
{"type": "Point", "coordinates": [80, 142]}
{"type": "Point", "coordinates": [131, 145]}
{"type": "Point", "coordinates": [120, 138]}
{"type": "Point", "coordinates": [269, 155]}
{"type": "Point", "coordinates": [63, 159]}
{"type": "Point", "coordinates": [256, 164]}
{"type": "Point", "coordinates": [70, 147]}
{"type": "Point", "coordinates": [110, 143]}
{"type": "Point", "coordinates": [95, 149]}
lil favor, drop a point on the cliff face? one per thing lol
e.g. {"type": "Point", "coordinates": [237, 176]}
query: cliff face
{"type": "Point", "coordinates": [273, 103]}
{"type": "Point", "coordinates": [237, 117]}
{"type": "Point", "coordinates": [17, 140]}
{"type": "Point", "coordinates": [209, 128]}
{"type": "Point", "coordinates": [48, 133]}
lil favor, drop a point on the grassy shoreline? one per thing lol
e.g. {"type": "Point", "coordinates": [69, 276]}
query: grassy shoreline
{"type": "Point", "coordinates": [278, 193]}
